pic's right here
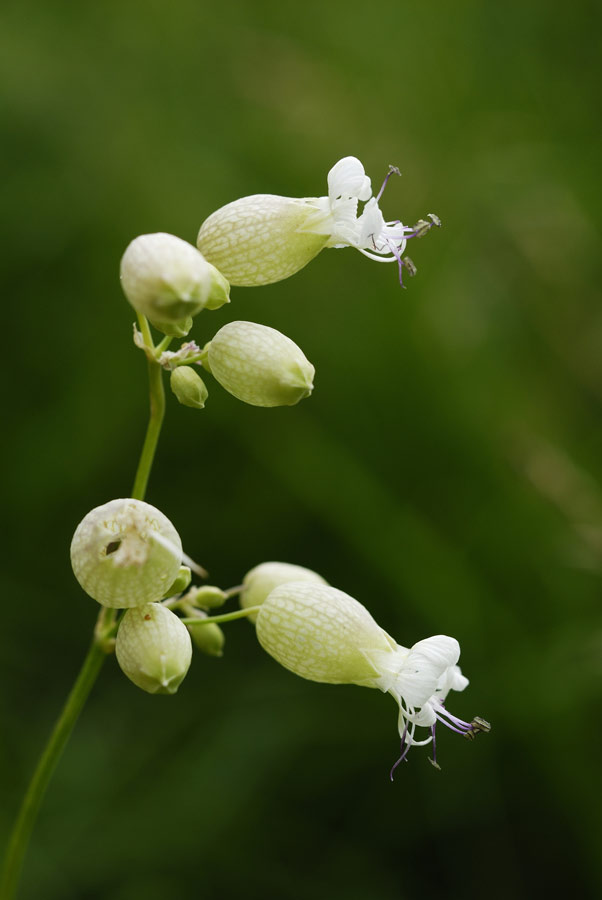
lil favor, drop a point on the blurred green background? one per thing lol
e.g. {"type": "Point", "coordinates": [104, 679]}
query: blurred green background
{"type": "Point", "coordinates": [446, 471]}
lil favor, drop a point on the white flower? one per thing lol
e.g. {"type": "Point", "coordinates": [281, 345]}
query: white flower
{"type": "Point", "coordinates": [323, 634]}
{"type": "Point", "coordinates": [265, 238]}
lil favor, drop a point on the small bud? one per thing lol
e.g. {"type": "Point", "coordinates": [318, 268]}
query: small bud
{"type": "Point", "coordinates": [126, 553]}
{"type": "Point", "coordinates": [153, 648]}
{"type": "Point", "coordinates": [173, 329]}
{"type": "Point", "coordinates": [207, 597]}
{"type": "Point", "coordinates": [188, 387]}
{"type": "Point", "coordinates": [262, 580]}
{"type": "Point", "coordinates": [183, 579]}
{"type": "Point", "coordinates": [259, 365]}
{"type": "Point", "coordinates": [209, 639]}
{"type": "Point", "coordinates": [219, 292]}
{"type": "Point", "coordinates": [165, 278]}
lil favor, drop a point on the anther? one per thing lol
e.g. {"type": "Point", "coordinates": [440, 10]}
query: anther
{"type": "Point", "coordinates": [479, 724]}
{"type": "Point", "coordinates": [407, 262]}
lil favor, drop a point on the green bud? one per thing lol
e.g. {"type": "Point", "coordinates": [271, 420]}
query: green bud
{"type": "Point", "coordinates": [126, 553]}
{"type": "Point", "coordinates": [153, 648]}
{"type": "Point", "coordinates": [219, 293]}
{"type": "Point", "coordinates": [173, 329]}
{"type": "Point", "coordinates": [188, 387]}
{"type": "Point", "coordinates": [183, 579]}
{"type": "Point", "coordinates": [262, 580]}
{"type": "Point", "coordinates": [209, 639]}
{"type": "Point", "coordinates": [165, 278]}
{"type": "Point", "coordinates": [259, 365]}
{"type": "Point", "coordinates": [208, 596]}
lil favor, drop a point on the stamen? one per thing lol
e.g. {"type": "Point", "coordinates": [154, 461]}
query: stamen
{"type": "Point", "coordinates": [393, 170]}
{"type": "Point", "coordinates": [433, 761]}
{"type": "Point", "coordinates": [404, 752]}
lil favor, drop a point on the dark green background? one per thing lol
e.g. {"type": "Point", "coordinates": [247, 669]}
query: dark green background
{"type": "Point", "coordinates": [446, 471]}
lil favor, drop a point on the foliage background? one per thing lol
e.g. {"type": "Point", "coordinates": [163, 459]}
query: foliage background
{"type": "Point", "coordinates": [446, 470]}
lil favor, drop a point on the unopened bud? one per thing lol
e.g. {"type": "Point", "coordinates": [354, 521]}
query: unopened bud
{"type": "Point", "coordinates": [183, 579]}
{"type": "Point", "coordinates": [259, 365]}
{"type": "Point", "coordinates": [188, 387]}
{"type": "Point", "coordinates": [219, 292]}
{"type": "Point", "coordinates": [165, 278]}
{"type": "Point", "coordinates": [173, 329]}
{"type": "Point", "coordinates": [153, 648]}
{"type": "Point", "coordinates": [262, 580]}
{"type": "Point", "coordinates": [126, 553]}
{"type": "Point", "coordinates": [209, 638]}
{"type": "Point", "coordinates": [207, 597]}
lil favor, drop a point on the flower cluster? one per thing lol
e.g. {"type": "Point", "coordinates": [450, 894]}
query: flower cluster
{"type": "Point", "coordinates": [128, 556]}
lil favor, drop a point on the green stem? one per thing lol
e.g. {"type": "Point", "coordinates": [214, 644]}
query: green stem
{"type": "Point", "coordinates": [225, 617]}
{"type": "Point", "coordinates": [157, 412]}
{"type": "Point", "coordinates": [46, 766]}
{"type": "Point", "coordinates": [92, 664]}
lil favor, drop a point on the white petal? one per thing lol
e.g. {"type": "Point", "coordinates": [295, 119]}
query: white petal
{"type": "Point", "coordinates": [347, 178]}
{"type": "Point", "coordinates": [371, 224]}
{"type": "Point", "coordinates": [451, 680]}
{"type": "Point", "coordinates": [424, 666]}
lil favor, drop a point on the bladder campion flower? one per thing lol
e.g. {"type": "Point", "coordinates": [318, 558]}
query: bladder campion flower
{"type": "Point", "coordinates": [126, 553]}
{"type": "Point", "coordinates": [323, 634]}
{"type": "Point", "coordinates": [153, 648]}
{"type": "Point", "coordinates": [265, 238]}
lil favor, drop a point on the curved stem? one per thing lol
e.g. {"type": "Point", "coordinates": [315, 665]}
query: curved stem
{"type": "Point", "coordinates": [46, 766]}
{"type": "Point", "coordinates": [224, 617]}
{"type": "Point", "coordinates": [92, 664]}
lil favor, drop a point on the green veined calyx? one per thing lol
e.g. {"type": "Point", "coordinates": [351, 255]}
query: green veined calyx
{"type": "Point", "coordinates": [259, 365]}
{"type": "Point", "coordinates": [259, 582]}
{"type": "Point", "coordinates": [153, 648]}
{"type": "Point", "coordinates": [126, 553]}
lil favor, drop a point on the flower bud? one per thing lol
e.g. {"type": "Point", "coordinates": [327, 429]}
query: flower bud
{"type": "Point", "coordinates": [173, 329]}
{"type": "Point", "coordinates": [262, 580]}
{"type": "Point", "coordinates": [183, 579]}
{"type": "Point", "coordinates": [208, 596]}
{"type": "Point", "coordinates": [165, 278]}
{"type": "Point", "coordinates": [219, 292]}
{"type": "Point", "coordinates": [188, 387]}
{"type": "Point", "coordinates": [262, 239]}
{"type": "Point", "coordinates": [153, 648]}
{"type": "Point", "coordinates": [209, 639]}
{"type": "Point", "coordinates": [126, 553]}
{"type": "Point", "coordinates": [259, 365]}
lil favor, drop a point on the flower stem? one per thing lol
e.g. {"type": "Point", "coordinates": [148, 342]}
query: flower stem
{"type": "Point", "coordinates": [92, 664]}
{"type": "Point", "coordinates": [46, 766]}
{"type": "Point", "coordinates": [157, 412]}
{"type": "Point", "coordinates": [224, 617]}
